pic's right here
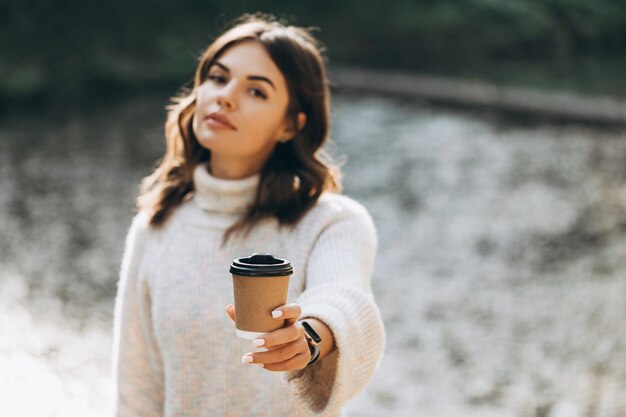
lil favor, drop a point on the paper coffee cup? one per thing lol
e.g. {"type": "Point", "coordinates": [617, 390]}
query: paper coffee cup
{"type": "Point", "coordinates": [260, 285]}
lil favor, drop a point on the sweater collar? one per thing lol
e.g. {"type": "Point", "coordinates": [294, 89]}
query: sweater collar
{"type": "Point", "coordinates": [223, 195]}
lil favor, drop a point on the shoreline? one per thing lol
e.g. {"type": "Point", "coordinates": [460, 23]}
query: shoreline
{"type": "Point", "coordinates": [561, 105]}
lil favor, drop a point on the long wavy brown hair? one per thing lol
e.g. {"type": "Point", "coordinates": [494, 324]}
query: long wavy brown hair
{"type": "Point", "coordinates": [297, 171]}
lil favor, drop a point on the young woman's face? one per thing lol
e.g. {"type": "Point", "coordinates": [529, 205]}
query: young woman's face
{"type": "Point", "coordinates": [247, 88]}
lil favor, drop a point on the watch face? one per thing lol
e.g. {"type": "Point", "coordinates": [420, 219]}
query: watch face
{"type": "Point", "coordinates": [311, 332]}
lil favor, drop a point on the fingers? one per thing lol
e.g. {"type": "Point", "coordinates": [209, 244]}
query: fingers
{"type": "Point", "coordinates": [297, 362]}
{"type": "Point", "coordinates": [294, 355]}
{"type": "Point", "coordinates": [288, 312]}
{"type": "Point", "coordinates": [287, 346]}
{"type": "Point", "coordinates": [280, 337]}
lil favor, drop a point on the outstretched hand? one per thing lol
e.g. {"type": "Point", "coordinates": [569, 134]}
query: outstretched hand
{"type": "Point", "coordinates": [287, 347]}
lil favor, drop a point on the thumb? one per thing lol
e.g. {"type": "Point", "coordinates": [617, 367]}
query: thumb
{"type": "Point", "coordinates": [230, 310]}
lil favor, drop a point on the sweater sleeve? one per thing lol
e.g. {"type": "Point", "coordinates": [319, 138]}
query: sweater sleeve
{"type": "Point", "coordinates": [338, 292]}
{"type": "Point", "coordinates": [137, 367]}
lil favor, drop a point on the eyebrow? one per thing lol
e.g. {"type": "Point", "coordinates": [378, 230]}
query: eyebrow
{"type": "Point", "coordinates": [250, 77]}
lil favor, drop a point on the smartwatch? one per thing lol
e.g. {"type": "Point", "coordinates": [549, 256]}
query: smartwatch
{"type": "Point", "coordinates": [313, 339]}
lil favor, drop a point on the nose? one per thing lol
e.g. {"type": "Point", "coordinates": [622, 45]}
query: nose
{"type": "Point", "coordinates": [226, 96]}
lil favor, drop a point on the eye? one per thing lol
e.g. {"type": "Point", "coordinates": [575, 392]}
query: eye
{"type": "Point", "coordinates": [258, 93]}
{"type": "Point", "coordinates": [217, 78]}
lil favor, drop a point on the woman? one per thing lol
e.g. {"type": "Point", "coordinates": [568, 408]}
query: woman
{"type": "Point", "coordinates": [244, 172]}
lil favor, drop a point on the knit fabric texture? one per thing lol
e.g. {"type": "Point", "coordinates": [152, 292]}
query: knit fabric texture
{"type": "Point", "coordinates": [175, 351]}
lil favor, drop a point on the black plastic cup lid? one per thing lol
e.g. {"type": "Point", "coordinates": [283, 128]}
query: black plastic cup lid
{"type": "Point", "coordinates": [261, 265]}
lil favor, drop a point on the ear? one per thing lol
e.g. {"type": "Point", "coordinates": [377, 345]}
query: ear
{"type": "Point", "coordinates": [289, 132]}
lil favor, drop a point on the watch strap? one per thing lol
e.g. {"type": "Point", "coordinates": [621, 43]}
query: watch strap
{"type": "Point", "coordinates": [314, 340]}
{"type": "Point", "coordinates": [315, 353]}
{"type": "Point", "coordinates": [311, 332]}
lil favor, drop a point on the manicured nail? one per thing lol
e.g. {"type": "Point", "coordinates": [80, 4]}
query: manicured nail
{"type": "Point", "coordinates": [258, 342]}
{"type": "Point", "coordinates": [247, 358]}
{"type": "Point", "coordinates": [277, 313]}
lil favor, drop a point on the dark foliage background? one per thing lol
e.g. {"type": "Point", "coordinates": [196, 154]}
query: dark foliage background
{"type": "Point", "coordinates": [73, 50]}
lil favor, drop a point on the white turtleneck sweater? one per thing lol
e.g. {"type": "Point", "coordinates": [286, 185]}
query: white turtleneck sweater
{"type": "Point", "coordinates": [175, 350]}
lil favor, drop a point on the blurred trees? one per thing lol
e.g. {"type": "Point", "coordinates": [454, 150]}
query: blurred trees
{"type": "Point", "coordinates": [70, 48]}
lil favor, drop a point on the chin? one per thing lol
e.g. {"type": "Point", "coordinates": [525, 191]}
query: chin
{"type": "Point", "coordinates": [209, 145]}
{"type": "Point", "coordinates": [208, 140]}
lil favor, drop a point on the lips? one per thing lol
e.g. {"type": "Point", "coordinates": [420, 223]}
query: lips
{"type": "Point", "coordinates": [221, 119]}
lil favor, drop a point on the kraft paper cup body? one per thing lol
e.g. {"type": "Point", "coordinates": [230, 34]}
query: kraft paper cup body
{"type": "Point", "coordinates": [255, 299]}
{"type": "Point", "coordinates": [257, 293]}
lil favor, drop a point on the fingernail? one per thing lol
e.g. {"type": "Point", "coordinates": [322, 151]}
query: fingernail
{"type": "Point", "coordinates": [258, 342]}
{"type": "Point", "coordinates": [247, 358]}
{"type": "Point", "coordinates": [277, 313]}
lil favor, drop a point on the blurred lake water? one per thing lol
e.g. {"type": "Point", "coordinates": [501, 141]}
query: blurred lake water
{"type": "Point", "coordinates": [501, 272]}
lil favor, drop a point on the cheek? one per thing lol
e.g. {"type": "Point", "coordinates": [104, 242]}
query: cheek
{"type": "Point", "coordinates": [203, 95]}
{"type": "Point", "coordinates": [266, 120]}
{"type": "Point", "coordinates": [261, 133]}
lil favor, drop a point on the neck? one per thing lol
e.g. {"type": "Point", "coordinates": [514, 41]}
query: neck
{"type": "Point", "coordinates": [230, 168]}
{"type": "Point", "coordinates": [223, 194]}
